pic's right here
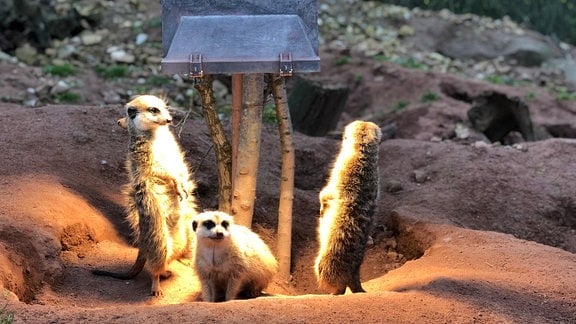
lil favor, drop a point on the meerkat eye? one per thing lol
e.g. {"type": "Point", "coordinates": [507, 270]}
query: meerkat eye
{"type": "Point", "coordinates": [209, 224]}
{"type": "Point", "coordinates": [225, 224]}
{"type": "Point", "coordinates": [153, 110]}
{"type": "Point", "coordinates": [132, 112]}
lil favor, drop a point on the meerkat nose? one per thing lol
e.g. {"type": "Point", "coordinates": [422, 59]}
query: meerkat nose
{"type": "Point", "coordinates": [168, 121]}
{"type": "Point", "coordinates": [219, 235]}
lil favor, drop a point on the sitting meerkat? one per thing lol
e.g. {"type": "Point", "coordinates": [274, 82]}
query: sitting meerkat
{"type": "Point", "coordinates": [231, 260]}
{"type": "Point", "coordinates": [159, 199]}
{"type": "Point", "coordinates": [347, 204]}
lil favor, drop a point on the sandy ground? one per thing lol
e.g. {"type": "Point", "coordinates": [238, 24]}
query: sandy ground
{"type": "Point", "coordinates": [487, 236]}
{"type": "Point", "coordinates": [465, 232]}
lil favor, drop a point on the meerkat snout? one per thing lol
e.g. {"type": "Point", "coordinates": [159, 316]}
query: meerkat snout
{"type": "Point", "coordinates": [122, 122]}
{"type": "Point", "coordinates": [215, 231]}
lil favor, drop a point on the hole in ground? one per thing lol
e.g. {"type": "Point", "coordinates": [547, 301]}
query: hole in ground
{"type": "Point", "coordinates": [28, 260]}
{"type": "Point", "coordinates": [395, 243]}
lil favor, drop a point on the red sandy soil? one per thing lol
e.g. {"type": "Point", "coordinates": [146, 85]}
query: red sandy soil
{"type": "Point", "coordinates": [464, 233]}
{"type": "Point", "coordinates": [486, 236]}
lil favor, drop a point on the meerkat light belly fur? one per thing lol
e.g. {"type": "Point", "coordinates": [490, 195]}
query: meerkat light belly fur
{"type": "Point", "coordinates": [231, 260]}
{"type": "Point", "coordinates": [347, 205]}
{"type": "Point", "coordinates": [159, 199]}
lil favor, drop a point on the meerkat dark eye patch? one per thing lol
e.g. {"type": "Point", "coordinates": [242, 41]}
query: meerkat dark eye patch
{"type": "Point", "coordinates": [153, 110]}
{"type": "Point", "coordinates": [194, 225]}
{"type": "Point", "coordinates": [132, 112]}
{"type": "Point", "coordinates": [209, 224]}
{"type": "Point", "coordinates": [225, 224]}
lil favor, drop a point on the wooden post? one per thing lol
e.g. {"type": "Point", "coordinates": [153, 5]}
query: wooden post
{"type": "Point", "coordinates": [284, 238]}
{"type": "Point", "coordinates": [246, 173]}
{"type": "Point", "coordinates": [236, 115]}
{"type": "Point", "coordinates": [221, 144]}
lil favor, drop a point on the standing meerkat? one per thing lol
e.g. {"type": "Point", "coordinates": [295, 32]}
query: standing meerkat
{"type": "Point", "coordinates": [231, 260]}
{"type": "Point", "coordinates": [160, 204]}
{"type": "Point", "coordinates": [347, 204]}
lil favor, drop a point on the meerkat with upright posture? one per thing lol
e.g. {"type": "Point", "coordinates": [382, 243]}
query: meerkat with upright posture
{"type": "Point", "coordinates": [231, 260]}
{"type": "Point", "coordinates": [159, 199]}
{"type": "Point", "coordinates": [347, 205]}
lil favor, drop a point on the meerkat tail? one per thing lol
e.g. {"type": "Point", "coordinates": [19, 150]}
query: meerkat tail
{"type": "Point", "coordinates": [133, 272]}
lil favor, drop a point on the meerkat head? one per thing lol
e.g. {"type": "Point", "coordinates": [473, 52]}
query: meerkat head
{"type": "Point", "coordinates": [362, 132]}
{"type": "Point", "coordinates": [212, 226]}
{"type": "Point", "coordinates": [146, 113]}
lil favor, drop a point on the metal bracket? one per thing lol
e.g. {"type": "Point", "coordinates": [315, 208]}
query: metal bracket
{"type": "Point", "coordinates": [196, 70]}
{"type": "Point", "coordinates": [286, 68]}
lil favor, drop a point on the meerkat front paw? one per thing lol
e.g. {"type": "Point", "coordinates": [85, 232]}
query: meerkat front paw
{"type": "Point", "coordinates": [181, 189]}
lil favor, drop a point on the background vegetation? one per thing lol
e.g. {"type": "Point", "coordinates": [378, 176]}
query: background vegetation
{"type": "Point", "coordinates": [556, 18]}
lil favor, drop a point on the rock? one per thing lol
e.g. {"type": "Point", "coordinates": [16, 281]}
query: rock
{"type": "Point", "coordinates": [60, 87]}
{"type": "Point", "coordinates": [26, 53]}
{"type": "Point", "coordinates": [481, 145]}
{"type": "Point", "coordinates": [121, 56]}
{"type": "Point", "coordinates": [30, 99]}
{"type": "Point", "coordinates": [90, 38]}
{"type": "Point", "coordinates": [520, 147]}
{"type": "Point", "coordinates": [470, 41]}
{"type": "Point", "coordinates": [7, 58]}
{"type": "Point", "coordinates": [43, 90]}
{"type": "Point", "coordinates": [81, 137]}
{"type": "Point", "coordinates": [65, 51]}
{"type": "Point", "coordinates": [393, 186]}
{"type": "Point", "coordinates": [530, 50]}
{"type": "Point", "coordinates": [141, 38]}
{"type": "Point", "coordinates": [568, 65]}
{"type": "Point", "coordinates": [406, 31]}
{"type": "Point", "coordinates": [420, 176]}
{"type": "Point", "coordinates": [111, 97]}
{"type": "Point", "coordinates": [462, 132]}
{"type": "Point", "coordinates": [153, 60]}
{"type": "Point", "coordinates": [389, 131]}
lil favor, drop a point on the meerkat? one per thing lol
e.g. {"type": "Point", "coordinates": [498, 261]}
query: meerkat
{"type": "Point", "coordinates": [347, 205]}
{"type": "Point", "coordinates": [159, 200]}
{"type": "Point", "coordinates": [231, 260]}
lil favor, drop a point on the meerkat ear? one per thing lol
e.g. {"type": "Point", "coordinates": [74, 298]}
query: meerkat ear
{"type": "Point", "coordinates": [194, 225]}
{"type": "Point", "coordinates": [131, 112]}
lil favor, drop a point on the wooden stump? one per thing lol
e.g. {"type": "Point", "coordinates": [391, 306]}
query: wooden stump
{"type": "Point", "coordinates": [315, 107]}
